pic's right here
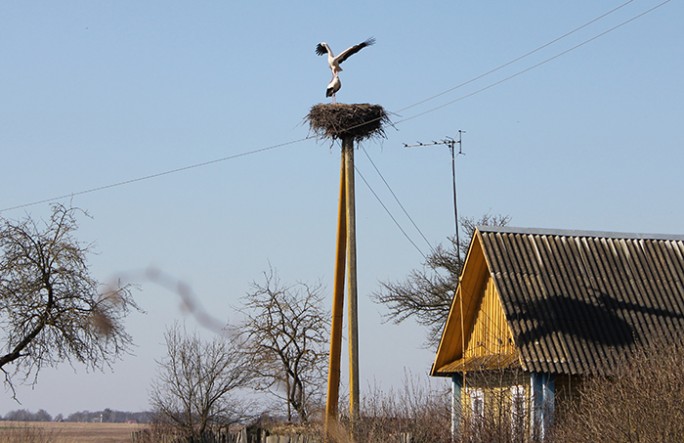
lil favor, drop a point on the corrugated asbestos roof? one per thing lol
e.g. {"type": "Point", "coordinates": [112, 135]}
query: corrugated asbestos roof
{"type": "Point", "coordinates": [576, 302]}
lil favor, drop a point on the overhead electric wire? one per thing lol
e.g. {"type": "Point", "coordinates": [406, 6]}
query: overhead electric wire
{"type": "Point", "coordinates": [389, 213]}
{"type": "Point", "coordinates": [527, 54]}
{"type": "Point", "coordinates": [397, 200]}
{"type": "Point", "coordinates": [498, 83]}
{"type": "Point", "coordinates": [158, 174]}
{"type": "Point", "coordinates": [543, 62]}
{"type": "Point", "coordinates": [268, 148]}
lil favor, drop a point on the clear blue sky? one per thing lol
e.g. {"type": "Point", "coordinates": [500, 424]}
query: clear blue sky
{"type": "Point", "coordinates": [96, 93]}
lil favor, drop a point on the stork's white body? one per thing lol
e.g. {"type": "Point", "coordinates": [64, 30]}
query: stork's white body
{"type": "Point", "coordinates": [333, 87]}
{"type": "Point", "coordinates": [335, 60]}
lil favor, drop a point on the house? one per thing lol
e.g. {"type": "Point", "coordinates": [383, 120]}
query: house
{"type": "Point", "coordinates": [538, 311]}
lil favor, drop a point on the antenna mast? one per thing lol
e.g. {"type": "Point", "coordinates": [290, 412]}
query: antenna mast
{"type": "Point", "coordinates": [451, 144]}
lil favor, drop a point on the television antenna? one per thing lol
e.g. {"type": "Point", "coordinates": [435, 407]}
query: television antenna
{"type": "Point", "coordinates": [451, 143]}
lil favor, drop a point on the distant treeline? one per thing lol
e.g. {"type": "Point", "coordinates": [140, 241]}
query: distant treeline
{"type": "Point", "coordinates": [105, 416]}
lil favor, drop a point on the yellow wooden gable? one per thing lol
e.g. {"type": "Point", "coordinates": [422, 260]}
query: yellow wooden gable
{"type": "Point", "coordinates": [476, 322]}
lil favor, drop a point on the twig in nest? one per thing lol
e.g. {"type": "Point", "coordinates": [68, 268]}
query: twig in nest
{"type": "Point", "coordinates": [338, 121]}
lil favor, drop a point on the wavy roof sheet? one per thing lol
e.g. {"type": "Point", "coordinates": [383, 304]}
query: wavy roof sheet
{"type": "Point", "coordinates": [577, 301]}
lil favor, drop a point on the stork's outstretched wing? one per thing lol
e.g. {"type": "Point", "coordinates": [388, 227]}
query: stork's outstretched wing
{"type": "Point", "coordinates": [320, 49]}
{"type": "Point", "coordinates": [353, 50]}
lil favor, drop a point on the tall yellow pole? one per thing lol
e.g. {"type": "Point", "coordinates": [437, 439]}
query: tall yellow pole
{"type": "Point", "coordinates": [352, 294]}
{"type": "Point", "coordinates": [331, 405]}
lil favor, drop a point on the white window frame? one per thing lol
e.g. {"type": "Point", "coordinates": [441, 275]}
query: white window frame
{"type": "Point", "coordinates": [518, 409]}
{"type": "Point", "coordinates": [477, 404]}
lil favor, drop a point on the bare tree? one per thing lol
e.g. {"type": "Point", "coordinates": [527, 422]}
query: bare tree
{"type": "Point", "coordinates": [427, 292]}
{"type": "Point", "coordinates": [286, 333]}
{"type": "Point", "coordinates": [51, 309]}
{"type": "Point", "coordinates": [198, 381]}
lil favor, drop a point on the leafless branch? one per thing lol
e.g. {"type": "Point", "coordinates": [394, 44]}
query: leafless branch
{"type": "Point", "coordinates": [285, 336]}
{"type": "Point", "coordinates": [51, 309]}
{"type": "Point", "coordinates": [426, 294]}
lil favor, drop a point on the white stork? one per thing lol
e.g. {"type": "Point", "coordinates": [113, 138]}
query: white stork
{"type": "Point", "coordinates": [334, 61]}
{"type": "Point", "coordinates": [333, 87]}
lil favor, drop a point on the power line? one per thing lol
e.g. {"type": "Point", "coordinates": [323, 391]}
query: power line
{"type": "Point", "coordinates": [156, 175]}
{"type": "Point", "coordinates": [268, 148]}
{"type": "Point", "coordinates": [451, 144]}
{"type": "Point", "coordinates": [398, 201]}
{"type": "Point", "coordinates": [389, 213]}
{"type": "Point", "coordinates": [543, 62]}
{"type": "Point", "coordinates": [527, 54]}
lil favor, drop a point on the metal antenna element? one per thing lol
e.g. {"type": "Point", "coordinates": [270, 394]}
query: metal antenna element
{"type": "Point", "coordinates": [451, 144]}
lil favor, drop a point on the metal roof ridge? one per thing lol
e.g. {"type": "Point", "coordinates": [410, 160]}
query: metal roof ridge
{"type": "Point", "coordinates": [578, 233]}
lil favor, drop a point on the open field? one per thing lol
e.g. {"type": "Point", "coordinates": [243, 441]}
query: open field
{"type": "Point", "coordinates": [49, 432]}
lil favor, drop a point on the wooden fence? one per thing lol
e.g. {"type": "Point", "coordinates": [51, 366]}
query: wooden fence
{"type": "Point", "coordinates": [147, 436]}
{"type": "Point", "coordinates": [242, 436]}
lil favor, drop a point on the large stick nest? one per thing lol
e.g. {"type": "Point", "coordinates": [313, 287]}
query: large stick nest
{"type": "Point", "coordinates": [359, 121]}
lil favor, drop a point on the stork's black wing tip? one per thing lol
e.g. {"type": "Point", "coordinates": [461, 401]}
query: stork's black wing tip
{"type": "Point", "coordinates": [369, 41]}
{"type": "Point", "coordinates": [320, 49]}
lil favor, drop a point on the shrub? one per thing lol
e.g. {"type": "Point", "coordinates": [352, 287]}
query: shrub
{"type": "Point", "coordinates": [643, 401]}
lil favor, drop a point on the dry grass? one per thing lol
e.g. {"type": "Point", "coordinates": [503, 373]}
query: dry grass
{"type": "Point", "coordinates": [64, 432]}
{"type": "Point", "coordinates": [643, 402]}
{"type": "Point", "coordinates": [417, 412]}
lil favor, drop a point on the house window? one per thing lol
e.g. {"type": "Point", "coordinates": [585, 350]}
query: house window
{"type": "Point", "coordinates": [518, 412]}
{"type": "Point", "coordinates": [477, 405]}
